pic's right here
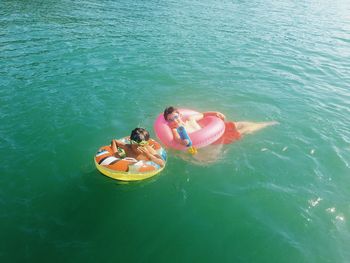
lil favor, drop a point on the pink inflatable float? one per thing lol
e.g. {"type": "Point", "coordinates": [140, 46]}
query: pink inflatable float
{"type": "Point", "coordinates": [212, 128]}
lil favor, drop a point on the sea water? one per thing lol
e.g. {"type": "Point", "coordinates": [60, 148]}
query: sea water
{"type": "Point", "coordinates": [76, 74]}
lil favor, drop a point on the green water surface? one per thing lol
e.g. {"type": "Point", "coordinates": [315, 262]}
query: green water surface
{"type": "Point", "coordinates": [75, 74]}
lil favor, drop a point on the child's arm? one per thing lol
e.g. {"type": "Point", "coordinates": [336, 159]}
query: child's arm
{"type": "Point", "coordinates": [215, 114]}
{"type": "Point", "coordinates": [197, 117]}
{"type": "Point", "coordinates": [115, 144]}
{"type": "Point", "coordinates": [178, 138]}
{"type": "Point", "coordinates": [200, 116]}
{"type": "Point", "coordinates": [152, 155]}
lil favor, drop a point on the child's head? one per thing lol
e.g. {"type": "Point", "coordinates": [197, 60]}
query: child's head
{"type": "Point", "coordinates": [171, 113]}
{"type": "Point", "coordinates": [139, 136]}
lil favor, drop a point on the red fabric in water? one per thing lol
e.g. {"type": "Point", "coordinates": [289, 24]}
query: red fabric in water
{"type": "Point", "coordinates": [230, 135]}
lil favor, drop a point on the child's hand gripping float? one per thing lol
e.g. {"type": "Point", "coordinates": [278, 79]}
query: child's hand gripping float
{"type": "Point", "coordinates": [184, 136]}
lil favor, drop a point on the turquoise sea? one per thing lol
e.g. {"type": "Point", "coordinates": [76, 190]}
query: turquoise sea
{"type": "Point", "coordinates": [75, 74]}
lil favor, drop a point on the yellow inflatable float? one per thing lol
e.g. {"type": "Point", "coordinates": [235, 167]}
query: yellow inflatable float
{"type": "Point", "coordinates": [128, 169]}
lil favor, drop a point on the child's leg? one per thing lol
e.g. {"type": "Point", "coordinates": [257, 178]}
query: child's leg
{"type": "Point", "coordinates": [245, 127]}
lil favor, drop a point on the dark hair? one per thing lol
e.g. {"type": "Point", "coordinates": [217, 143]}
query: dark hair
{"type": "Point", "coordinates": [168, 111]}
{"type": "Point", "coordinates": [139, 135]}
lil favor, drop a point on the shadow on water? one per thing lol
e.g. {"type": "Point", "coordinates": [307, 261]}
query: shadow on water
{"type": "Point", "coordinates": [204, 157]}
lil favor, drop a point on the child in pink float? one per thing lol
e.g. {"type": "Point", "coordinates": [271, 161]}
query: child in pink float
{"type": "Point", "coordinates": [233, 130]}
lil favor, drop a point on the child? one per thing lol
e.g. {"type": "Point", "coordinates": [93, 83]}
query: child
{"type": "Point", "coordinates": [138, 147]}
{"type": "Point", "coordinates": [233, 131]}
